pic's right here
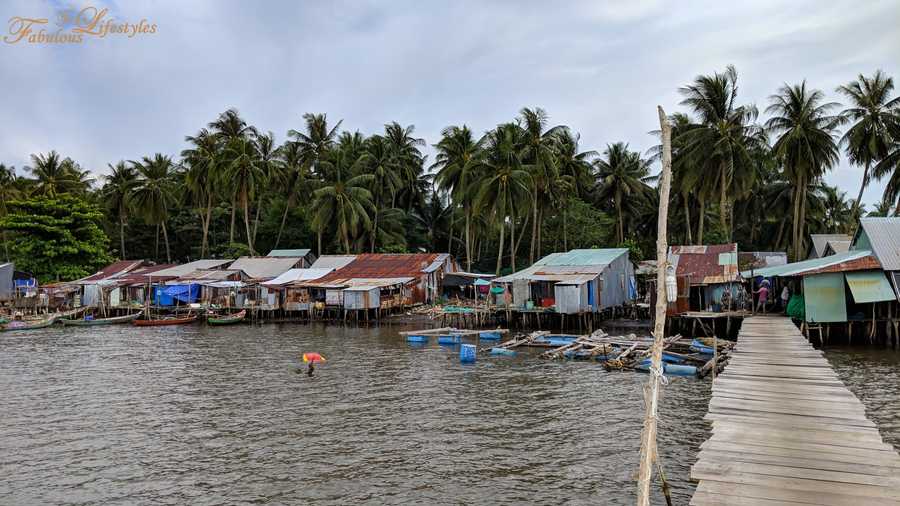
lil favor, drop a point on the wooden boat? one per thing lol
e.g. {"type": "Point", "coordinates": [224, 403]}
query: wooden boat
{"type": "Point", "coordinates": [102, 321]}
{"type": "Point", "coordinates": [17, 325]}
{"type": "Point", "coordinates": [178, 320]}
{"type": "Point", "coordinates": [238, 317]}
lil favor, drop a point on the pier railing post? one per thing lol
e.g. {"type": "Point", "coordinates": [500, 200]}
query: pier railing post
{"type": "Point", "coordinates": [651, 397]}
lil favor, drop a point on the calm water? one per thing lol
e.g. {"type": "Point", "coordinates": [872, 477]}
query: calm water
{"type": "Point", "coordinates": [873, 374]}
{"type": "Point", "coordinates": [220, 416]}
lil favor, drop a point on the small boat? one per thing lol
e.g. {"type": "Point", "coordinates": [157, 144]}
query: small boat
{"type": "Point", "coordinates": [16, 325]}
{"type": "Point", "coordinates": [102, 321]}
{"type": "Point", "coordinates": [177, 320]}
{"type": "Point", "coordinates": [238, 317]}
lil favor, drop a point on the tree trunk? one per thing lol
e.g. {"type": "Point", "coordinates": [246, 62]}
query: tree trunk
{"type": "Point", "coordinates": [621, 226]}
{"type": "Point", "coordinates": [245, 203]}
{"type": "Point", "coordinates": [204, 247]}
{"type": "Point", "coordinates": [648, 436]}
{"type": "Point", "coordinates": [319, 241]}
{"type": "Point", "coordinates": [687, 218]}
{"type": "Point", "coordinates": [287, 207]}
{"type": "Point", "coordinates": [121, 238]}
{"type": "Point", "coordinates": [256, 218]}
{"type": "Point", "coordinates": [522, 236]}
{"type": "Point", "coordinates": [512, 242]}
{"type": "Point", "coordinates": [796, 221]}
{"type": "Point", "coordinates": [468, 243]}
{"type": "Point", "coordinates": [500, 249]}
{"type": "Point", "coordinates": [862, 188]}
{"type": "Point", "coordinates": [374, 230]}
{"type": "Point", "coordinates": [701, 219]}
{"type": "Point", "coordinates": [231, 229]}
{"type": "Point", "coordinates": [166, 238]}
{"type": "Point", "coordinates": [452, 223]}
{"type": "Point", "coordinates": [156, 247]}
{"type": "Point", "coordinates": [566, 226]}
{"type": "Point", "coordinates": [540, 232]}
{"type": "Point", "coordinates": [801, 238]}
{"type": "Point", "coordinates": [780, 236]}
{"type": "Point", "coordinates": [723, 203]}
{"type": "Point", "coordinates": [534, 212]}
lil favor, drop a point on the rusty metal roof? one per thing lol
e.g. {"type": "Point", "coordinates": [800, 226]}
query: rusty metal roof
{"type": "Point", "coordinates": [140, 275]}
{"type": "Point", "coordinates": [706, 265]}
{"type": "Point", "coordinates": [180, 270]}
{"type": "Point", "coordinates": [383, 265]}
{"type": "Point", "coordinates": [113, 270]}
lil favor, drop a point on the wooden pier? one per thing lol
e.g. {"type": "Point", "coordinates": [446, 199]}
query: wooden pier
{"type": "Point", "coordinates": [785, 430]}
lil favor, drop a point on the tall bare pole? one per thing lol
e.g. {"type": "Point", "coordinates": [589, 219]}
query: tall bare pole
{"type": "Point", "coordinates": [651, 391]}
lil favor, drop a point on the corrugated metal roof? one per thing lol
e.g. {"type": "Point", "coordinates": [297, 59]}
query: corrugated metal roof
{"type": "Point", "coordinates": [383, 265]}
{"type": "Point", "coordinates": [140, 275]}
{"type": "Point", "coordinates": [294, 275]}
{"type": "Point", "coordinates": [289, 252]}
{"type": "Point", "coordinates": [761, 259]}
{"type": "Point", "coordinates": [359, 283]}
{"type": "Point", "coordinates": [706, 265]}
{"type": "Point", "coordinates": [332, 261]}
{"type": "Point", "coordinates": [212, 275]}
{"type": "Point", "coordinates": [839, 262]}
{"type": "Point", "coordinates": [836, 246]}
{"type": "Point", "coordinates": [884, 240]}
{"type": "Point", "coordinates": [819, 241]}
{"type": "Point", "coordinates": [869, 286]}
{"type": "Point", "coordinates": [113, 270]}
{"type": "Point", "coordinates": [575, 262]}
{"type": "Point", "coordinates": [181, 270]}
{"type": "Point", "coordinates": [583, 257]}
{"type": "Point", "coordinates": [265, 267]}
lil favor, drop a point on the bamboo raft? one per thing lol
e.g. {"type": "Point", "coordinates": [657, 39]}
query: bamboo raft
{"type": "Point", "coordinates": [785, 429]}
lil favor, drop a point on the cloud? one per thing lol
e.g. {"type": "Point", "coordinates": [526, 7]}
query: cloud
{"type": "Point", "coordinates": [600, 67]}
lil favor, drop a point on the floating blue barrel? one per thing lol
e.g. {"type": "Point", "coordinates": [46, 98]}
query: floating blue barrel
{"type": "Point", "coordinates": [680, 370]}
{"type": "Point", "coordinates": [503, 351]}
{"type": "Point", "coordinates": [699, 347]}
{"type": "Point", "coordinates": [450, 339]}
{"type": "Point", "coordinates": [489, 336]}
{"type": "Point", "coordinates": [467, 354]}
{"type": "Point", "coordinates": [416, 339]}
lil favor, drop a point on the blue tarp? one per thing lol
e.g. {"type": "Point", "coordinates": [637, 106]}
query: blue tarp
{"type": "Point", "coordinates": [175, 294]}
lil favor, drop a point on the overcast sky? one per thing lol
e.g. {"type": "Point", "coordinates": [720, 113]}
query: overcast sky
{"type": "Point", "coordinates": [599, 67]}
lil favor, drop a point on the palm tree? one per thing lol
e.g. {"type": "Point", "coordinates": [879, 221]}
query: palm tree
{"type": "Point", "coordinates": [117, 193]}
{"type": "Point", "coordinates": [539, 158]}
{"type": "Point", "coordinates": [621, 177]}
{"type": "Point", "coordinates": [203, 161]}
{"type": "Point", "coordinates": [53, 174]}
{"type": "Point", "coordinates": [346, 203]}
{"type": "Point", "coordinates": [268, 155]}
{"type": "Point", "coordinates": [234, 131]}
{"type": "Point", "coordinates": [505, 184]}
{"type": "Point", "coordinates": [719, 144]}
{"type": "Point", "coordinates": [153, 193]}
{"type": "Point", "coordinates": [575, 175]}
{"type": "Point", "coordinates": [8, 192]}
{"type": "Point", "coordinates": [889, 167]}
{"type": "Point", "coordinates": [805, 146]}
{"type": "Point", "coordinates": [457, 163]}
{"type": "Point", "coordinates": [837, 216]}
{"type": "Point", "coordinates": [872, 111]}
{"type": "Point", "coordinates": [316, 140]}
{"type": "Point", "coordinates": [294, 176]}
{"type": "Point", "coordinates": [379, 161]}
{"type": "Point", "coordinates": [408, 160]}
{"type": "Point", "coordinates": [246, 174]}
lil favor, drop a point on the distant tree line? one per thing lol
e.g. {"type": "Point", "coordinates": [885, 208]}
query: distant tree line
{"type": "Point", "coordinates": [497, 200]}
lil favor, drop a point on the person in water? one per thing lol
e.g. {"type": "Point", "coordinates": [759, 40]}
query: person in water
{"type": "Point", "coordinates": [311, 368]}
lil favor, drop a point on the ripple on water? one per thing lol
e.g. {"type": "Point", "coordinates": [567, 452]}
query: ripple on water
{"type": "Point", "coordinates": [219, 416]}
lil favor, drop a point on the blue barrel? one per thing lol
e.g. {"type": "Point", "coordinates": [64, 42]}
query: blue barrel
{"type": "Point", "coordinates": [416, 339]}
{"type": "Point", "coordinates": [502, 351]}
{"type": "Point", "coordinates": [450, 339]}
{"type": "Point", "coordinates": [489, 336]}
{"type": "Point", "coordinates": [680, 370]}
{"type": "Point", "coordinates": [467, 354]}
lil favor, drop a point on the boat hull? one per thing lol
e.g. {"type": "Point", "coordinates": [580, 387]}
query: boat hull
{"type": "Point", "coordinates": [102, 321]}
{"type": "Point", "coordinates": [227, 320]}
{"type": "Point", "coordinates": [160, 323]}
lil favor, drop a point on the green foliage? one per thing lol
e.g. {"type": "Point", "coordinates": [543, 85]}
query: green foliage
{"type": "Point", "coordinates": [56, 238]}
{"type": "Point", "coordinates": [636, 253]}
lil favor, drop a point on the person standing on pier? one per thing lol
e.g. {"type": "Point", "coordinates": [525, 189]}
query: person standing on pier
{"type": "Point", "coordinates": [763, 296]}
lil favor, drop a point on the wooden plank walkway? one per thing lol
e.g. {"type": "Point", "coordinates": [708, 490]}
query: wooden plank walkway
{"type": "Point", "coordinates": [785, 430]}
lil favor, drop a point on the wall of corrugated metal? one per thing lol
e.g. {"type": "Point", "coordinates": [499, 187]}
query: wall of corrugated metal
{"type": "Point", "coordinates": [615, 279]}
{"type": "Point", "coordinates": [825, 298]}
{"type": "Point", "coordinates": [568, 298]}
{"type": "Point", "coordinates": [361, 299]}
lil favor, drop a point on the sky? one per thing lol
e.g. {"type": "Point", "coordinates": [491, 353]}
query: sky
{"type": "Point", "coordinates": [600, 67]}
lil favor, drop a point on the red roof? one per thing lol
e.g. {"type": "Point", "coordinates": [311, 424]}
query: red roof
{"type": "Point", "coordinates": [119, 267]}
{"type": "Point", "coordinates": [712, 264]}
{"type": "Point", "coordinates": [383, 265]}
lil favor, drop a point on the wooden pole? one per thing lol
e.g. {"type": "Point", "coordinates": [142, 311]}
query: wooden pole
{"type": "Point", "coordinates": [648, 436]}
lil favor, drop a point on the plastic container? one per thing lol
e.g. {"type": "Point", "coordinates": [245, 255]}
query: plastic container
{"type": "Point", "coordinates": [416, 339]}
{"type": "Point", "coordinates": [489, 336]}
{"type": "Point", "coordinates": [503, 351]}
{"type": "Point", "coordinates": [467, 353]}
{"type": "Point", "coordinates": [450, 339]}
